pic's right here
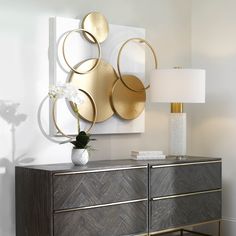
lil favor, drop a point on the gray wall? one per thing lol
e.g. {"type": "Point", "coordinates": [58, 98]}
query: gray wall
{"type": "Point", "coordinates": [24, 80]}
{"type": "Point", "coordinates": [214, 123]}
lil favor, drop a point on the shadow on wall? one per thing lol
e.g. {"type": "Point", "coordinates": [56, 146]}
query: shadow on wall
{"type": "Point", "coordinates": [8, 112]}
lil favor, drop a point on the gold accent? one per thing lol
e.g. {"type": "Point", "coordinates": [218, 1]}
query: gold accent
{"type": "Point", "coordinates": [98, 83]}
{"type": "Point", "coordinates": [139, 40]}
{"type": "Point", "coordinates": [181, 227]}
{"type": "Point", "coordinates": [185, 164]}
{"type": "Point", "coordinates": [64, 54]}
{"type": "Point", "coordinates": [186, 194]}
{"type": "Point", "coordinates": [127, 103]}
{"type": "Point", "coordinates": [96, 24]}
{"type": "Point", "coordinates": [99, 206]}
{"type": "Point", "coordinates": [101, 170]}
{"type": "Point", "coordinates": [219, 228]}
{"type": "Point", "coordinates": [194, 232]}
{"type": "Point", "coordinates": [41, 126]}
{"type": "Point", "coordinates": [94, 114]}
{"type": "Point", "coordinates": [177, 107]}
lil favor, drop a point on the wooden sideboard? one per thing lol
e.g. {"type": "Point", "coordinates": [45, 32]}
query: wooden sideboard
{"type": "Point", "coordinates": [118, 197]}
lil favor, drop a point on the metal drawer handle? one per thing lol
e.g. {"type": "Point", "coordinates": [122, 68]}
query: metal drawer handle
{"type": "Point", "coordinates": [97, 171]}
{"type": "Point", "coordinates": [99, 206]}
{"type": "Point", "coordinates": [185, 164]}
{"type": "Point", "coordinates": [185, 195]}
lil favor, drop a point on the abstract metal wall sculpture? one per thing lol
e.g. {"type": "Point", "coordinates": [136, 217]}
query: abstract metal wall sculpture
{"type": "Point", "coordinates": [90, 54]}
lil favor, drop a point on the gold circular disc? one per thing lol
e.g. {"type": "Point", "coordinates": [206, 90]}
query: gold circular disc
{"type": "Point", "coordinates": [128, 104]}
{"type": "Point", "coordinates": [98, 83]}
{"type": "Point", "coordinates": [97, 25]}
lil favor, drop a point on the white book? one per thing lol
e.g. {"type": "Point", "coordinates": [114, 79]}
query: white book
{"type": "Point", "coordinates": [147, 153]}
{"type": "Point", "coordinates": [143, 158]}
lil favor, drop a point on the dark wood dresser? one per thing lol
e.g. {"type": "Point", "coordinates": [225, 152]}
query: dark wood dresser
{"type": "Point", "coordinates": [118, 197]}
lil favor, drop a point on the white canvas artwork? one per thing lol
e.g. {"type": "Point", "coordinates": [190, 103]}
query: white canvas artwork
{"type": "Point", "coordinates": [79, 49]}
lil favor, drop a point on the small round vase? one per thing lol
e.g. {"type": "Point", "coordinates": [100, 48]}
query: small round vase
{"type": "Point", "coordinates": [79, 157]}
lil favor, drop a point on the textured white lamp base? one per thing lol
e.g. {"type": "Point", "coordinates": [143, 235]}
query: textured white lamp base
{"type": "Point", "coordinates": [177, 134]}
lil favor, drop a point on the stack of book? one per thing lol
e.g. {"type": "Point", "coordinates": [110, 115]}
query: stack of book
{"type": "Point", "coordinates": [147, 155]}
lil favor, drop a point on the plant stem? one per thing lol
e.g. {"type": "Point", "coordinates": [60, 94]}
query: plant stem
{"type": "Point", "coordinates": [77, 112]}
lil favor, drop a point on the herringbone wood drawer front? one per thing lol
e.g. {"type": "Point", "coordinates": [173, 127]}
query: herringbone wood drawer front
{"type": "Point", "coordinates": [167, 181]}
{"type": "Point", "coordinates": [124, 219]}
{"type": "Point", "coordinates": [175, 212]}
{"type": "Point", "coordinates": [88, 189]}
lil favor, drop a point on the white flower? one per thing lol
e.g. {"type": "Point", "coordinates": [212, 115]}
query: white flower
{"type": "Point", "coordinates": [68, 91]}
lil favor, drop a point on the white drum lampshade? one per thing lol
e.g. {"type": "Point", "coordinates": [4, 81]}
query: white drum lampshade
{"type": "Point", "coordinates": [177, 86]}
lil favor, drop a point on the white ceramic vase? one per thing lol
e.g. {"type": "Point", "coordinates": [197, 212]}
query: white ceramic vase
{"type": "Point", "coordinates": [79, 157]}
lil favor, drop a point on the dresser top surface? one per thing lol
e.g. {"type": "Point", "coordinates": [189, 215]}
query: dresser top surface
{"type": "Point", "coordinates": [117, 164]}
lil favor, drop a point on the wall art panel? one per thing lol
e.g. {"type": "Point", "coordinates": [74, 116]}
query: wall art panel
{"type": "Point", "coordinates": [81, 54]}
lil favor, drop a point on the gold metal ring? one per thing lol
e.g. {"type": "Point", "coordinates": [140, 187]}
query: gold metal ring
{"type": "Point", "coordinates": [55, 140]}
{"type": "Point", "coordinates": [92, 123]}
{"type": "Point", "coordinates": [139, 40]}
{"type": "Point", "coordinates": [95, 40]}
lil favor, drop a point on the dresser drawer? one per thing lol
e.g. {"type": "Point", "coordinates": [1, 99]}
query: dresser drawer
{"type": "Point", "coordinates": [124, 219]}
{"type": "Point", "coordinates": [176, 179]}
{"type": "Point", "coordinates": [95, 188]}
{"type": "Point", "coordinates": [185, 210]}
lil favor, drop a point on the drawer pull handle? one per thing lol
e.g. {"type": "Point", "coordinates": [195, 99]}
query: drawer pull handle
{"type": "Point", "coordinates": [185, 164]}
{"type": "Point", "coordinates": [99, 206]}
{"type": "Point", "coordinates": [102, 170]}
{"type": "Point", "coordinates": [185, 194]}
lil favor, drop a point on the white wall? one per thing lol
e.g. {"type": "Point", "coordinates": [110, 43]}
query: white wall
{"type": "Point", "coordinates": [214, 124]}
{"type": "Point", "coordinates": [24, 80]}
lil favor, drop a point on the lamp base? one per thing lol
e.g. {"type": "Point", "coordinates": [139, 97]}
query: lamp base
{"type": "Point", "coordinates": [174, 157]}
{"type": "Point", "coordinates": [177, 134]}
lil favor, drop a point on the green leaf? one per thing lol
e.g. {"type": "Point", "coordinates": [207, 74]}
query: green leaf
{"type": "Point", "coordinates": [82, 140]}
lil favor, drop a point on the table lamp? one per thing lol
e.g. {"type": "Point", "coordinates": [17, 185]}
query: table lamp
{"type": "Point", "coordinates": [177, 86]}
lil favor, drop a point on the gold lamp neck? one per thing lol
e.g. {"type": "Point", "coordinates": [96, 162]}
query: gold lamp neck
{"type": "Point", "coordinates": [177, 107]}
